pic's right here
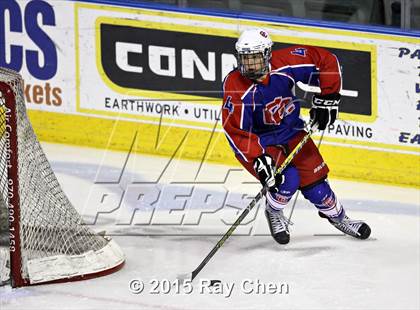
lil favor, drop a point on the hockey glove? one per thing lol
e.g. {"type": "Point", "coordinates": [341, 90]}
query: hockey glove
{"type": "Point", "coordinates": [324, 110]}
{"type": "Point", "coordinates": [266, 171]}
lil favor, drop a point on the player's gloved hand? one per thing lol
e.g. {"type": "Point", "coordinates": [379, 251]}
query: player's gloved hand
{"type": "Point", "coordinates": [265, 168]}
{"type": "Point", "coordinates": [324, 109]}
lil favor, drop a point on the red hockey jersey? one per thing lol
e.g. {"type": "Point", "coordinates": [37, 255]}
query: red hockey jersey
{"type": "Point", "coordinates": [256, 115]}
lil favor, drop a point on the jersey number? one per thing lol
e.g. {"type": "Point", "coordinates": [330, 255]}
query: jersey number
{"type": "Point", "coordinates": [228, 104]}
{"type": "Point", "coordinates": [299, 51]}
{"type": "Point", "coordinates": [274, 111]}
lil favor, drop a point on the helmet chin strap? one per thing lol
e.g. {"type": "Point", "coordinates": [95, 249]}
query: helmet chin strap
{"type": "Point", "coordinates": [254, 76]}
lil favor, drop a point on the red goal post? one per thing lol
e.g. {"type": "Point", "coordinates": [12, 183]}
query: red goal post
{"type": "Point", "coordinates": [47, 240]}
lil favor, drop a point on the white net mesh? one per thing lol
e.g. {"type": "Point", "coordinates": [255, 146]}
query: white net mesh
{"type": "Point", "coordinates": [49, 225]}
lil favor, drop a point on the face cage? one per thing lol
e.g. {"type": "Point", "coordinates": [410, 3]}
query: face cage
{"type": "Point", "coordinates": [263, 62]}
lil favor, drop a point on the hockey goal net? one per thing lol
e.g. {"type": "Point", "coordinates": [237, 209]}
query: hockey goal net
{"type": "Point", "coordinates": [42, 237]}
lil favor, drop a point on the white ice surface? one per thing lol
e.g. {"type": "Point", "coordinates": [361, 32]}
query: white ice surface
{"type": "Point", "coordinates": [321, 268]}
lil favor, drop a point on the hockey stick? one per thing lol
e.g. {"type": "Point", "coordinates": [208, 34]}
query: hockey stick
{"type": "Point", "coordinates": [287, 161]}
{"type": "Point", "coordinates": [297, 194]}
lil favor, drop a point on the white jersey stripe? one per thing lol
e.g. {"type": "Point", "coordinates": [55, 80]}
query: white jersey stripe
{"type": "Point", "coordinates": [247, 91]}
{"type": "Point", "coordinates": [238, 151]}
{"type": "Point", "coordinates": [284, 74]}
{"type": "Point", "coordinates": [241, 123]}
{"type": "Point", "coordinates": [296, 66]}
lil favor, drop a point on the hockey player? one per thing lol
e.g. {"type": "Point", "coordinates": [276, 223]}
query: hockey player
{"type": "Point", "coordinates": [261, 121]}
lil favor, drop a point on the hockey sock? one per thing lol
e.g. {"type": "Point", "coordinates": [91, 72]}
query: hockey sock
{"type": "Point", "coordinates": [322, 196]}
{"type": "Point", "coordinates": [286, 190]}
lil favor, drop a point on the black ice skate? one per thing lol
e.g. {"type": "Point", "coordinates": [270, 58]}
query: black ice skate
{"type": "Point", "coordinates": [278, 224]}
{"type": "Point", "coordinates": [356, 229]}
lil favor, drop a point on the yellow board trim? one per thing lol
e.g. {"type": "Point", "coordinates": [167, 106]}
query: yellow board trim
{"type": "Point", "coordinates": [359, 164]}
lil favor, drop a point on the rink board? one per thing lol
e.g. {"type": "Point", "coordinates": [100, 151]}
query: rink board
{"type": "Point", "coordinates": [149, 81]}
{"type": "Point", "coordinates": [344, 162]}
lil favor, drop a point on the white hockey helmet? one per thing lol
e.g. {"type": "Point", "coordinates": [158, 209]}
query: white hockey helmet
{"type": "Point", "coordinates": [254, 44]}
